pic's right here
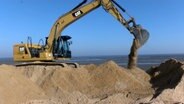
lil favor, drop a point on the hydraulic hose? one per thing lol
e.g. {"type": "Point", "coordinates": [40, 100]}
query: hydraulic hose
{"type": "Point", "coordinates": [80, 4]}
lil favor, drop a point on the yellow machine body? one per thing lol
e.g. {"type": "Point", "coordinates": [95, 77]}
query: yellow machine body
{"type": "Point", "coordinates": [22, 53]}
{"type": "Point", "coordinates": [56, 46]}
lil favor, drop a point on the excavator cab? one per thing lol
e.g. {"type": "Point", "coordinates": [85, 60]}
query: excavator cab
{"type": "Point", "coordinates": [61, 47]}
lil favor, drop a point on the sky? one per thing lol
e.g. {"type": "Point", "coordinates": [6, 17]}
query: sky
{"type": "Point", "coordinates": [97, 33]}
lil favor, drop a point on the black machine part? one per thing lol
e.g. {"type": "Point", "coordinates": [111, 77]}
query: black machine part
{"type": "Point", "coordinates": [61, 47]}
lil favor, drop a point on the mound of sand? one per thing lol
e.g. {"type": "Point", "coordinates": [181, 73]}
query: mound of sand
{"type": "Point", "coordinates": [168, 82]}
{"type": "Point", "coordinates": [107, 83]}
{"type": "Point", "coordinates": [95, 82]}
{"type": "Point", "coordinates": [15, 88]}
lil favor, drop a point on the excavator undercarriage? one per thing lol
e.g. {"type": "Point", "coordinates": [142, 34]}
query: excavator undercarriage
{"type": "Point", "coordinates": [39, 63]}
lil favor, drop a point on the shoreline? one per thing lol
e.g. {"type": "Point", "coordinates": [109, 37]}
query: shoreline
{"type": "Point", "coordinates": [144, 61]}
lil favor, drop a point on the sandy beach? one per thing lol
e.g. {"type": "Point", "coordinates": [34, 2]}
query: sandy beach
{"type": "Point", "coordinates": [106, 83]}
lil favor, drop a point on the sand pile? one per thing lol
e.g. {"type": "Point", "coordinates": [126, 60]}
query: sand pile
{"type": "Point", "coordinates": [95, 82]}
{"type": "Point", "coordinates": [16, 88]}
{"type": "Point", "coordinates": [168, 82]}
{"type": "Point", "coordinates": [107, 83]}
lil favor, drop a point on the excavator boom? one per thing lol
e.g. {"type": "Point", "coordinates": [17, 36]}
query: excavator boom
{"type": "Point", "coordinates": [79, 11]}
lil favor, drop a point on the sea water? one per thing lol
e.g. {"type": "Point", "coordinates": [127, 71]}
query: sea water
{"type": "Point", "coordinates": [144, 61]}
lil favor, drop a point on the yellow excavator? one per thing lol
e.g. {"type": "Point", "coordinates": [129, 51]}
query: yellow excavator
{"type": "Point", "coordinates": [56, 46]}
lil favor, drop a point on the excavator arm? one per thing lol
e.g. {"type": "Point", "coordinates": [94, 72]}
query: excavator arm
{"type": "Point", "coordinates": [140, 34]}
{"type": "Point", "coordinates": [79, 11]}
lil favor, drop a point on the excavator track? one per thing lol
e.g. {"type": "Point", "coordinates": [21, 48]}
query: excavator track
{"type": "Point", "coordinates": [73, 65]}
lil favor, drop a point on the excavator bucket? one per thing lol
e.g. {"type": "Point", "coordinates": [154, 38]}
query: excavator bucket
{"type": "Point", "coordinates": [141, 35]}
